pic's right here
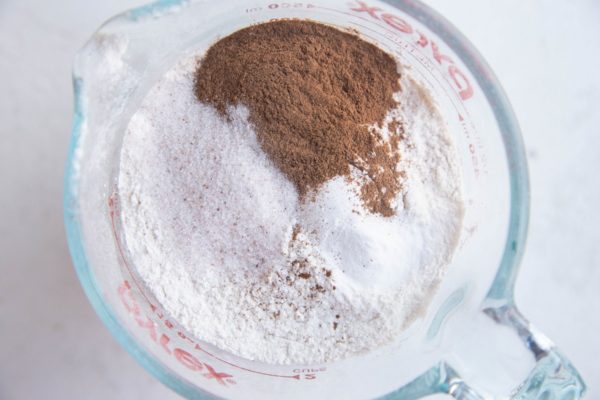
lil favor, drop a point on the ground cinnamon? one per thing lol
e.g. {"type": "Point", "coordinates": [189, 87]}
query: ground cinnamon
{"type": "Point", "coordinates": [312, 92]}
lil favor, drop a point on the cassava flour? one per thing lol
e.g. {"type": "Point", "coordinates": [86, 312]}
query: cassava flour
{"type": "Point", "coordinates": [227, 246]}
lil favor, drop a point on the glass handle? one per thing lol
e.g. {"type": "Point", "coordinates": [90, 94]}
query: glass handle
{"type": "Point", "coordinates": [552, 378]}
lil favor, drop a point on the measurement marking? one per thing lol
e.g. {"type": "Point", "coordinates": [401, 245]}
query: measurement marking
{"type": "Point", "coordinates": [297, 376]}
{"type": "Point", "coordinates": [345, 13]}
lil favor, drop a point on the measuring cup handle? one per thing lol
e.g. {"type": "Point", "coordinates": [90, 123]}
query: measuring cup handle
{"type": "Point", "coordinates": [553, 376]}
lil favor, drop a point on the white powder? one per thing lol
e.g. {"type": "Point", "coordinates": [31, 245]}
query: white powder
{"type": "Point", "coordinates": [209, 224]}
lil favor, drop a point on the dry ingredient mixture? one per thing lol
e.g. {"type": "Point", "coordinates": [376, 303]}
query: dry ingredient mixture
{"type": "Point", "coordinates": [290, 195]}
{"type": "Point", "coordinates": [312, 92]}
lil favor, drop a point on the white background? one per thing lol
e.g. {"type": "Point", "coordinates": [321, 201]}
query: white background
{"type": "Point", "coordinates": [547, 55]}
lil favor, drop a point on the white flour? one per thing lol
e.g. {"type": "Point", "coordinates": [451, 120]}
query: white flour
{"type": "Point", "coordinates": [210, 226]}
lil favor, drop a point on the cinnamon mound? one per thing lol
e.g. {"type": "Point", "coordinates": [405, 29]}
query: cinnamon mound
{"type": "Point", "coordinates": [312, 92]}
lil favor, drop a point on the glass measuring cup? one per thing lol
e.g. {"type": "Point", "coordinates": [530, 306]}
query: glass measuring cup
{"type": "Point", "coordinates": [471, 343]}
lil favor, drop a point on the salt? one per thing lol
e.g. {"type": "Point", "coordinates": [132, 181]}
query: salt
{"type": "Point", "coordinates": [222, 240]}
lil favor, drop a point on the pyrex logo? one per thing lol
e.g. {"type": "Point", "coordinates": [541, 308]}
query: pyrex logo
{"type": "Point", "coordinates": [182, 356]}
{"type": "Point", "coordinates": [457, 78]}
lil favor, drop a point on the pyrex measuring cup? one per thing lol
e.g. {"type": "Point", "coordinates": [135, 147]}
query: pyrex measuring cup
{"type": "Point", "coordinates": [471, 343]}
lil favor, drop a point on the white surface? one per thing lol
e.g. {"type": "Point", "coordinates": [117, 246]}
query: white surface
{"type": "Point", "coordinates": [52, 344]}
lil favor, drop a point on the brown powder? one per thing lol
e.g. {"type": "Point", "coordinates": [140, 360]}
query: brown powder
{"type": "Point", "coordinates": [312, 92]}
